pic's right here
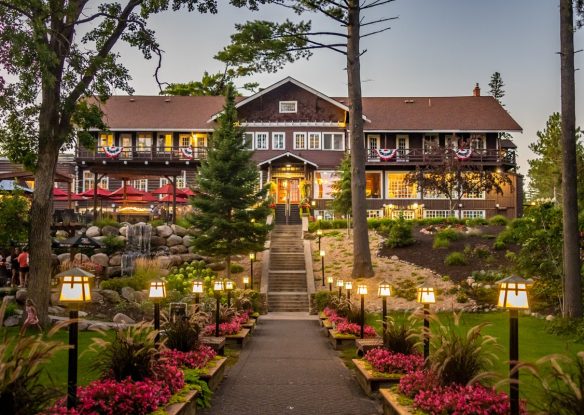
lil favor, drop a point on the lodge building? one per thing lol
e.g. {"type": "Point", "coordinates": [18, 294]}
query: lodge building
{"type": "Point", "coordinates": [299, 135]}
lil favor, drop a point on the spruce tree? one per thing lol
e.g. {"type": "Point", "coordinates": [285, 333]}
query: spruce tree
{"type": "Point", "coordinates": [496, 86]}
{"type": "Point", "coordinates": [343, 202]}
{"type": "Point", "coordinates": [230, 211]}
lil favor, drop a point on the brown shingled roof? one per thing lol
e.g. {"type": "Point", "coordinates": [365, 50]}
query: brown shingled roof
{"type": "Point", "coordinates": [467, 113]}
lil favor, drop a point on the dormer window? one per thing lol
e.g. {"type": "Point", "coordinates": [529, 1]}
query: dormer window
{"type": "Point", "coordinates": [287, 107]}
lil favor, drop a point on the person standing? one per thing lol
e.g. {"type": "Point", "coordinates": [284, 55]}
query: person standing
{"type": "Point", "coordinates": [23, 267]}
{"type": "Point", "coordinates": [14, 266]}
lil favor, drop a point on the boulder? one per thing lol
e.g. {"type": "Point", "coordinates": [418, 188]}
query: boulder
{"type": "Point", "coordinates": [140, 297]}
{"type": "Point", "coordinates": [197, 257]}
{"type": "Point", "coordinates": [92, 231]}
{"type": "Point", "coordinates": [101, 259]}
{"type": "Point", "coordinates": [174, 240]}
{"type": "Point", "coordinates": [111, 296]}
{"type": "Point", "coordinates": [175, 260]}
{"type": "Point", "coordinates": [178, 249]}
{"type": "Point", "coordinates": [21, 295]}
{"type": "Point", "coordinates": [98, 327]}
{"type": "Point", "coordinates": [81, 257]}
{"type": "Point", "coordinates": [164, 231]}
{"type": "Point", "coordinates": [56, 310]}
{"type": "Point", "coordinates": [550, 317]}
{"type": "Point", "coordinates": [188, 257]}
{"type": "Point", "coordinates": [128, 293]}
{"type": "Point", "coordinates": [187, 240]}
{"type": "Point", "coordinates": [112, 272]}
{"type": "Point", "coordinates": [83, 325]}
{"type": "Point", "coordinates": [110, 230]}
{"type": "Point", "coordinates": [156, 241]}
{"type": "Point", "coordinates": [163, 273]}
{"type": "Point", "coordinates": [179, 230]}
{"type": "Point", "coordinates": [216, 266]}
{"type": "Point", "coordinates": [115, 261]}
{"type": "Point", "coordinates": [121, 318]}
{"type": "Point", "coordinates": [61, 235]}
{"type": "Point", "coordinates": [12, 321]}
{"type": "Point", "coordinates": [164, 261]}
{"type": "Point", "coordinates": [99, 238]}
{"type": "Point", "coordinates": [394, 258]}
{"type": "Point", "coordinates": [192, 249]}
{"type": "Point", "coordinates": [123, 231]}
{"type": "Point", "coordinates": [64, 257]}
{"type": "Point", "coordinates": [96, 296]}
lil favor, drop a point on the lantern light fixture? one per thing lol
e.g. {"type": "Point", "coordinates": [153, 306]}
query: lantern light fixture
{"type": "Point", "coordinates": [384, 289]}
{"type": "Point", "coordinates": [426, 294]}
{"type": "Point", "coordinates": [513, 293]}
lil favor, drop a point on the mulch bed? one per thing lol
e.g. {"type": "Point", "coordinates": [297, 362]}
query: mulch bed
{"type": "Point", "coordinates": [422, 254]}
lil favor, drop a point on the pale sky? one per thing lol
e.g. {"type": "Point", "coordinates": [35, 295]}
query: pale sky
{"type": "Point", "coordinates": [435, 48]}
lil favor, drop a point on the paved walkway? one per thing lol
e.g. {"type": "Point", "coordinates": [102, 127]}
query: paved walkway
{"type": "Point", "coordinates": [288, 367]}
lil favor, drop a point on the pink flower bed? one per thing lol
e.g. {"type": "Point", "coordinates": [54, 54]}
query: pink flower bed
{"type": "Point", "coordinates": [414, 382]}
{"type": "Point", "coordinates": [225, 329]}
{"type": "Point", "coordinates": [386, 361]}
{"type": "Point", "coordinates": [195, 359]}
{"type": "Point", "coordinates": [242, 317]}
{"type": "Point", "coordinates": [345, 327]}
{"type": "Point", "coordinates": [328, 312]}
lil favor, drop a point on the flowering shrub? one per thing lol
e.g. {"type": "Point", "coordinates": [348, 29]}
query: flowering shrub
{"type": "Point", "coordinates": [463, 400]}
{"type": "Point", "coordinates": [195, 359]}
{"type": "Point", "coordinates": [385, 361]}
{"type": "Point", "coordinates": [225, 329]}
{"type": "Point", "coordinates": [328, 312]}
{"type": "Point", "coordinates": [345, 327]}
{"type": "Point", "coordinates": [414, 382]}
{"type": "Point", "coordinates": [242, 317]}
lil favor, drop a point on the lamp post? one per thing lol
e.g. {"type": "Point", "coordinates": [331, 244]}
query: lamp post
{"type": "Point", "coordinates": [229, 286]}
{"type": "Point", "coordinates": [513, 296]}
{"type": "Point", "coordinates": [384, 291]}
{"type": "Point", "coordinates": [157, 293]}
{"type": "Point", "coordinates": [319, 234]}
{"type": "Point", "coordinates": [426, 296]}
{"type": "Point", "coordinates": [252, 257]}
{"type": "Point", "coordinates": [340, 284]}
{"type": "Point", "coordinates": [245, 282]}
{"type": "Point", "coordinates": [330, 280]}
{"type": "Point", "coordinates": [322, 264]}
{"type": "Point", "coordinates": [197, 289]}
{"type": "Point", "coordinates": [217, 289]}
{"type": "Point", "coordinates": [75, 289]}
{"type": "Point", "coordinates": [348, 287]}
{"type": "Point", "coordinates": [362, 290]}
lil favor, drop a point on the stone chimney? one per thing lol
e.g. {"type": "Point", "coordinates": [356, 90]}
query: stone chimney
{"type": "Point", "coordinates": [476, 91]}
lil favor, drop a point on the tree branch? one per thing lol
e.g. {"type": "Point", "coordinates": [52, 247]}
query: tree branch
{"type": "Point", "coordinates": [375, 4]}
{"type": "Point", "coordinates": [16, 9]}
{"type": "Point", "coordinates": [376, 32]}
{"type": "Point", "coordinates": [377, 21]}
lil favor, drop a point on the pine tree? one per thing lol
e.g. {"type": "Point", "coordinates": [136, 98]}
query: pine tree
{"type": "Point", "coordinates": [342, 188]}
{"type": "Point", "coordinates": [496, 86]}
{"type": "Point", "coordinates": [230, 211]}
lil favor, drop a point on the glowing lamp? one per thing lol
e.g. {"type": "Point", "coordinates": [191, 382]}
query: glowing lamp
{"type": "Point", "coordinates": [319, 217]}
{"type": "Point", "coordinates": [313, 203]}
{"type": "Point", "coordinates": [340, 283]}
{"type": "Point", "coordinates": [76, 286]}
{"type": "Point", "coordinates": [384, 289]}
{"type": "Point", "coordinates": [319, 232]}
{"type": "Point", "coordinates": [513, 293]}
{"type": "Point", "coordinates": [246, 280]}
{"type": "Point", "coordinates": [362, 289]}
{"type": "Point", "coordinates": [157, 290]}
{"type": "Point", "coordinates": [198, 286]}
{"type": "Point", "coordinates": [229, 285]}
{"type": "Point", "coordinates": [426, 295]}
{"type": "Point", "coordinates": [252, 256]}
{"type": "Point", "coordinates": [218, 286]}
{"type": "Point", "coordinates": [329, 279]}
{"type": "Point", "coordinates": [348, 285]}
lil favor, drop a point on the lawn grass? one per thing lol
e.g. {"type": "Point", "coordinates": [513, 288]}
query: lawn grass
{"type": "Point", "coordinates": [534, 342]}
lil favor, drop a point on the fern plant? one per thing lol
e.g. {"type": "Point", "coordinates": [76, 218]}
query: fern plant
{"type": "Point", "coordinates": [401, 334]}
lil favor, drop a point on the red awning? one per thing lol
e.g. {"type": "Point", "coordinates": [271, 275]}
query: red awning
{"type": "Point", "coordinates": [167, 189]}
{"type": "Point", "coordinates": [100, 193]}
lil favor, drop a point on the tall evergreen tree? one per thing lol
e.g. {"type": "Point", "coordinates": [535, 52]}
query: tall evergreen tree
{"type": "Point", "coordinates": [496, 86]}
{"type": "Point", "coordinates": [342, 188]}
{"type": "Point", "coordinates": [230, 212]}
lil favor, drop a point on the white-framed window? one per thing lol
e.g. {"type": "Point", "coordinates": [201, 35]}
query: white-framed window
{"type": "Point", "coordinates": [323, 183]}
{"type": "Point", "coordinates": [326, 214]}
{"type": "Point", "coordinates": [181, 181]}
{"type": "Point", "coordinates": [430, 142]}
{"type": "Point", "coordinates": [144, 142]}
{"type": "Point", "coordinates": [432, 194]}
{"type": "Point", "coordinates": [406, 214]}
{"type": "Point", "coordinates": [374, 213]}
{"type": "Point", "coordinates": [106, 139]}
{"type": "Point", "coordinates": [437, 214]}
{"type": "Point", "coordinates": [473, 214]}
{"type": "Point", "coordinates": [287, 107]}
{"type": "Point", "coordinates": [478, 142]}
{"type": "Point", "coordinates": [402, 144]}
{"type": "Point", "coordinates": [373, 185]}
{"type": "Point", "coordinates": [248, 141]}
{"type": "Point", "coordinates": [261, 141]}
{"type": "Point", "coordinates": [300, 141]}
{"type": "Point", "coordinates": [278, 141]}
{"type": "Point", "coordinates": [333, 141]}
{"type": "Point", "coordinates": [314, 141]}
{"type": "Point", "coordinates": [140, 184]}
{"type": "Point", "coordinates": [88, 181]}
{"type": "Point", "coordinates": [397, 187]}
{"type": "Point", "coordinates": [473, 195]}
{"type": "Point", "coordinates": [185, 140]}
{"type": "Point", "coordinates": [373, 145]}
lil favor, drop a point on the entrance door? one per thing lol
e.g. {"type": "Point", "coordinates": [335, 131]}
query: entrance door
{"type": "Point", "coordinates": [288, 188]}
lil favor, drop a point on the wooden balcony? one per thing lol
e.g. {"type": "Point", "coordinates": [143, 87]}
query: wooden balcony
{"type": "Point", "coordinates": [142, 154]}
{"type": "Point", "coordinates": [416, 156]}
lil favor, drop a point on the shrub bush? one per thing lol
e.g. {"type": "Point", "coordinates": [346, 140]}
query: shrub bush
{"type": "Point", "coordinates": [407, 289]}
{"type": "Point", "coordinates": [322, 299]}
{"type": "Point", "coordinates": [107, 221]}
{"type": "Point", "coordinates": [112, 244]}
{"type": "Point", "coordinates": [400, 234]}
{"type": "Point", "coordinates": [455, 258]}
{"type": "Point", "coordinates": [440, 243]}
{"type": "Point", "coordinates": [476, 222]}
{"type": "Point", "coordinates": [499, 220]}
{"type": "Point", "coordinates": [449, 234]}
{"type": "Point", "coordinates": [136, 282]}
{"type": "Point", "coordinates": [182, 334]}
{"type": "Point", "coordinates": [236, 268]}
{"type": "Point", "coordinates": [401, 335]}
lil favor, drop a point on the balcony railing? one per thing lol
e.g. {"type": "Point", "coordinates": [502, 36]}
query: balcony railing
{"type": "Point", "coordinates": [143, 153]}
{"type": "Point", "coordinates": [420, 156]}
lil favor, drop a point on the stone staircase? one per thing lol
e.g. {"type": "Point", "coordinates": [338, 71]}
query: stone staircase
{"type": "Point", "coordinates": [292, 219]}
{"type": "Point", "coordinates": [287, 290]}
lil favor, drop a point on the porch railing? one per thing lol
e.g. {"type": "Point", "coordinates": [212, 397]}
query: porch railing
{"type": "Point", "coordinates": [142, 153]}
{"type": "Point", "coordinates": [420, 155]}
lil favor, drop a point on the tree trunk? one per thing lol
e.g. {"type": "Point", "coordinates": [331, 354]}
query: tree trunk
{"type": "Point", "coordinates": [228, 265]}
{"type": "Point", "coordinates": [362, 266]}
{"type": "Point", "coordinates": [571, 253]}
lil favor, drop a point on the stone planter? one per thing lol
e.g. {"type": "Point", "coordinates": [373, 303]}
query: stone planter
{"type": "Point", "coordinates": [364, 345]}
{"type": "Point", "coordinates": [341, 341]}
{"type": "Point", "coordinates": [327, 324]}
{"type": "Point", "coordinates": [188, 407]}
{"type": "Point", "coordinates": [214, 371]}
{"type": "Point", "coordinates": [237, 340]}
{"type": "Point", "coordinates": [215, 343]}
{"type": "Point", "coordinates": [372, 381]}
{"type": "Point", "coordinates": [391, 405]}
{"type": "Point", "coordinates": [251, 323]}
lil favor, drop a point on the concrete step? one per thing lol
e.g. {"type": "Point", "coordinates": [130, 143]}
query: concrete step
{"type": "Point", "coordinates": [287, 301]}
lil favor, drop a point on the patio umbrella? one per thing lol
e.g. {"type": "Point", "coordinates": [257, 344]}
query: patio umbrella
{"type": "Point", "coordinates": [59, 192]}
{"type": "Point", "coordinates": [103, 193]}
{"type": "Point", "coordinates": [74, 196]}
{"type": "Point", "coordinates": [168, 198]}
{"type": "Point", "coordinates": [168, 189]}
{"type": "Point", "coordinates": [145, 197]}
{"type": "Point", "coordinates": [127, 190]}
{"type": "Point", "coordinates": [187, 191]}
